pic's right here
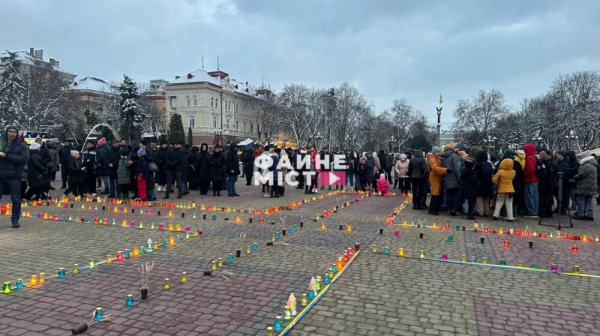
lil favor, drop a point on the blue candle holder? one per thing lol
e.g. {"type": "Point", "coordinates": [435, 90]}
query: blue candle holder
{"type": "Point", "coordinates": [129, 300]}
{"type": "Point", "coordinates": [458, 228]}
{"type": "Point", "coordinates": [334, 269]}
{"type": "Point", "coordinates": [165, 243]}
{"type": "Point", "coordinates": [61, 273]}
{"type": "Point", "coordinates": [386, 250]}
{"type": "Point", "coordinates": [178, 239]}
{"type": "Point", "coordinates": [277, 235]}
{"type": "Point", "coordinates": [289, 230]}
{"type": "Point", "coordinates": [98, 314]}
{"type": "Point", "coordinates": [311, 295]}
{"type": "Point", "coordinates": [254, 246]}
{"type": "Point", "coordinates": [230, 258]}
{"type": "Point", "coordinates": [450, 239]}
{"type": "Point", "coordinates": [126, 254]}
{"type": "Point", "coordinates": [142, 250]}
{"type": "Point", "coordinates": [278, 325]}
{"type": "Point", "coordinates": [214, 217]}
{"type": "Point", "coordinates": [534, 266]}
{"type": "Point", "coordinates": [19, 283]}
{"type": "Point", "coordinates": [326, 279]}
{"type": "Point", "coordinates": [502, 262]}
{"type": "Point", "coordinates": [295, 227]}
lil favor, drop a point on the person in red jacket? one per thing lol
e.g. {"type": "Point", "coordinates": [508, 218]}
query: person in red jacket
{"type": "Point", "coordinates": [531, 182]}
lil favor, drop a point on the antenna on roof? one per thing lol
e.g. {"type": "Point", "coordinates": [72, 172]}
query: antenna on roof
{"type": "Point", "coordinates": [218, 62]}
{"type": "Point", "coordinates": [202, 61]}
{"type": "Point", "coordinates": [263, 82]}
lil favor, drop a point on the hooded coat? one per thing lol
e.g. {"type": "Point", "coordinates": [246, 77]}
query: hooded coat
{"type": "Point", "coordinates": [232, 160]}
{"type": "Point", "coordinates": [203, 161]}
{"type": "Point", "coordinates": [38, 173]}
{"type": "Point", "coordinates": [450, 161]}
{"type": "Point", "coordinates": [587, 178]}
{"type": "Point", "coordinates": [520, 158]}
{"type": "Point", "coordinates": [504, 177]}
{"type": "Point", "coordinates": [17, 156]}
{"type": "Point", "coordinates": [530, 164]}
{"type": "Point", "coordinates": [484, 171]}
{"type": "Point", "coordinates": [217, 166]}
{"type": "Point", "coordinates": [248, 162]}
{"type": "Point", "coordinates": [436, 172]}
{"type": "Point", "coordinates": [371, 164]}
{"type": "Point", "coordinates": [468, 183]}
{"type": "Point", "coordinates": [382, 184]}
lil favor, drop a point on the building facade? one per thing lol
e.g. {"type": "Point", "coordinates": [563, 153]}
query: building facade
{"type": "Point", "coordinates": [36, 58]}
{"type": "Point", "coordinates": [217, 108]}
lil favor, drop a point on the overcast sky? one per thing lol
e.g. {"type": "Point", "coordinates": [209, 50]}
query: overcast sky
{"type": "Point", "coordinates": [388, 49]}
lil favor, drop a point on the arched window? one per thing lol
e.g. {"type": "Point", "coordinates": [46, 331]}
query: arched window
{"type": "Point", "coordinates": [212, 102]}
{"type": "Point", "coordinates": [187, 100]}
{"type": "Point", "coordinates": [195, 100]}
{"type": "Point", "coordinates": [216, 102]}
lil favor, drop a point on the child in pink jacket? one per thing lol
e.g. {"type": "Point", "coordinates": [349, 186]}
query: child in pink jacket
{"type": "Point", "coordinates": [382, 185]}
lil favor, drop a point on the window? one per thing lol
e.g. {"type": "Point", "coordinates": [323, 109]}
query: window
{"type": "Point", "coordinates": [212, 102]}
{"type": "Point", "coordinates": [236, 107]}
{"type": "Point", "coordinates": [244, 126]}
{"type": "Point", "coordinates": [237, 125]}
{"type": "Point", "coordinates": [227, 123]}
{"type": "Point", "coordinates": [191, 120]}
{"type": "Point", "coordinates": [251, 128]}
{"type": "Point", "coordinates": [195, 100]}
{"type": "Point", "coordinates": [216, 102]}
{"type": "Point", "coordinates": [187, 100]}
{"type": "Point", "coordinates": [173, 100]}
{"type": "Point", "coordinates": [214, 121]}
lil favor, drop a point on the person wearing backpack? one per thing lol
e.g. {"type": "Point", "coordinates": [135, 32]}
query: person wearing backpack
{"type": "Point", "coordinates": [531, 181]}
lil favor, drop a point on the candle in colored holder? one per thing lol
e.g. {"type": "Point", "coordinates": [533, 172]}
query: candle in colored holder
{"type": "Point", "coordinates": [450, 239]}
{"type": "Point", "coordinates": [119, 256]}
{"type": "Point", "coordinates": [61, 272]}
{"type": "Point", "coordinates": [220, 262]}
{"type": "Point", "coordinates": [397, 233]}
{"type": "Point", "coordinates": [323, 227]}
{"type": "Point", "coordinates": [575, 269]}
{"type": "Point", "coordinates": [230, 258]}
{"type": "Point", "coordinates": [444, 257]}
{"type": "Point", "coordinates": [463, 258]}
{"type": "Point", "coordinates": [75, 269]}
{"type": "Point", "coordinates": [502, 262]}
{"type": "Point", "coordinates": [401, 252]}
{"type": "Point", "coordinates": [484, 260]}
{"type": "Point", "coordinates": [129, 300]}
{"type": "Point", "coordinates": [126, 254]}
{"type": "Point", "coordinates": [213, 265]}
{"type": "Point", "coordinates": [92, 263]}
{"type": "Point", "coordinates": [506, 243]}
{"type": "Point", "coordinates": [386, 250]}
{"type": "Point", "coordinates": [422, 254]}
{"type": "Point", "coordinates": [304, 300]}
{"type": "Point", "coordinates": [20, 284]}
{"type": "Point", "coordinates": [33, 281]}
{"type": "Point", "coordinates": [554, 268]}
{"type": "Point", "coordinates": [374, 248]}
{"type": "Point", "coordinates": [278, 325]}
{"type": "Point", "coordinates": [183, 277]}
{"type": "Point", "coordinates": [574, 248]}
{"type": "Point", "coordinates": [6, 287]}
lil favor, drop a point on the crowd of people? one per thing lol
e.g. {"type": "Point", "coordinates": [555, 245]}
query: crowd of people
{"type": "Point", "coordinates": [467, 181]}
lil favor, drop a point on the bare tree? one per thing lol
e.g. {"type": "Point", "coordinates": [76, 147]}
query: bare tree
{"type": "Point", "coordinates": [477, 117]}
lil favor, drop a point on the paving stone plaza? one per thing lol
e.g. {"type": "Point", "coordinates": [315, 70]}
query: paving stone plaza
{"type": "Point", "coordinates": [377, 293]}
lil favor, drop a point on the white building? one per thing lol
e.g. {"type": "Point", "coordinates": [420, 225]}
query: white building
{"type": "Point", "coordinates": [216, 107]}
{"type": "Point", "coordinates": [36, 58]}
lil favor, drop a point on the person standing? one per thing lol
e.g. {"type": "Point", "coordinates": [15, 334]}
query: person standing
{"type": "Point", "coordinates": [142, 171]}
{"type": "Point", "coordinates": [531, 182]}
{"type": "Point", "coordinates": [485, 171]}
{"type": "Point", "coordinates": [350, 168]}
{"type": "Point", "coordinates": [161, 163]}
{"type": "Point", "coordinates": [451, 180]}
{"type": "Point", "coordinates": [150, 158]}
{"type": "Point", "coordinates": [586, 187]}
{"type": "Point", "coordinates": [248, 164]}
{"type": "Point", "coordinates": [38, 173]}
{"type": "Point", "coordinates": [325, 163]}
{"type": "Point", "coordinates": [64, 154]}
{"type": "Point", "coordinates": [14, 155]}
{"type": "Point", "coordinates": [468, 186]}
{"type": "Point", "coordinates": [436, 173]}
{"type": "Point", "coordinates": [90, 162]}
{"type": "Point", "coordinates": [217, 168]}
{"type": "Point", "coordinates": [54, 163]}
{"type": "Point", "coordinates": [401, 172]}
{"type": "Point", "coordinates": [417, 169]}
{"type": "Point", "coordinates": [503, 180]}
{"type": "Point", "coordinates": [112, 158]}
{"type": "Point", "coordinates": [186, 169]}
{"type": "Point", "coordinates": [76, 175]}
{"type": "Point", "coordinates": [372, 166]}
{"type": "Point", "coordinates": [102, 155]}
{"type": "Point", "coordinates": [174, 169]}
{"type": "Point", "coordinates": [562, 166]}
{"type": "Point", "coordinates": [232, 161]}
{"type": "Point", "coordinates": [123, 172]}
{"type": "Point", "coordinates": [203, 169]}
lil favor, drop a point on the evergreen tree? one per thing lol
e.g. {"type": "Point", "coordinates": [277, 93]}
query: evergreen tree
{"type": "Point", "coordinates": [190, 137]}
{"type": "Point", "coordinates": [12, 91]}
{"type": "Point", "coordinates": [131, 114]}
{"type": "Point", "coordinates": [175, 133]}
{"type": "Point", "coordinates": [162, 138]}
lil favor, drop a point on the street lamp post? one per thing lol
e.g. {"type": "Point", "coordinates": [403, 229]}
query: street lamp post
{"type": "Point", "coordinates": [571, 136]}
{"type": "Point", "coordinates": [439, 124]}
{"type": "Point", "coordinates": [391, 144]}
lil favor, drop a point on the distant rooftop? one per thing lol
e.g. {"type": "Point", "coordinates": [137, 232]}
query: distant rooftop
{"type": "Point", "coordinates": [36, 58]}
{"type": "Point", "coordinates": [91, 84]}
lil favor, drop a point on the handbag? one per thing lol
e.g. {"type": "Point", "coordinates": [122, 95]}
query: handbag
{"type": "Point", "coordinates": [153, 167]}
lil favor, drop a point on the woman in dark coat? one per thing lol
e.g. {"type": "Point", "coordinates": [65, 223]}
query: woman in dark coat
{"type": "Point", "coordinates": [193, 175]}
{"type": "Point", "coordinates": [76, 175]}
{"type": "Point", "coordinates": [202, 163]}
{"type": "Point", "coordinates": [484, 171]}
{"type": "Point", "coordinates": [468, 187]}
{"type": "Point", "coordinates": [217, 170]}
{"type": "Point", "coordinates": [38, 177]}
{"type": "Point", "coordinates": [248, 164]}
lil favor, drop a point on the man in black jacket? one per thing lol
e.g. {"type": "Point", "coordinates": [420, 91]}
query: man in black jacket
{"type": "Point", "coordinates": [546, 184]}
{"type": "Point", "coordinates": [232, 161]}
{"type": "Point", "coordinates": [150, 189]}
{"type": "Point", "coordinates": [417, 168]}
{"type": "Point", "coordinates": [161, 162]}
{"type": "Point", "coordinates": [64, 154]}
{"type": "Point", "coordinates": [174, 162]}
{"type": "Point", "coordinates": [113, 158]}
{"type": "Point", "coordinates": [13, 158]}
{"type": "Point", "coordinates": [90, 162]}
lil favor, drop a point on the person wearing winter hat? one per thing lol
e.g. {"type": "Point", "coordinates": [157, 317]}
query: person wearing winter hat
{"type": "Point", "coordinates": [142, 170]}
{"type": "Point", "coordinates": [37, 173]}
{"type": "Point", "coordinates": [401, 173]}
{"type": "Point", "coordinates": [13, 158]}
{"type": "Point", "coordinates": [436, 173]}
{"type": "Point", "coordinates": [586, 187]}
{"type": "Point", "coordinates": [217, 170]}
{"type": "Point", "coordinates": [76, 175]}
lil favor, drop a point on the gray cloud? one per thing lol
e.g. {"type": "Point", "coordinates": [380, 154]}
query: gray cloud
{"type": "Point", "coordinates": [388, 49]}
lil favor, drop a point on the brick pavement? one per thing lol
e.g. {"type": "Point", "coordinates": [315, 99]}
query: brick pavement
{"type": "Point", "coordinates": [378, 294]}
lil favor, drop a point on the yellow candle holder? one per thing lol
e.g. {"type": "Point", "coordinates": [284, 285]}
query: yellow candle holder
{"type": "Point", "coordinates": [167, 284]}
{"type": "Point", "coordinates": [349, 227]}
{"type": "Point", "coordinates": [374, 248]}
{"type": "Point", "coordinates": [463, 258]}
{"type": "Point", "coordinates": [484, 260]}
{"type": "Point", "coordinates": [92, 263]}
{"type": "Point", "coordinates": [75, 269]}
{"type": "Point", "coordinates": [183, 277]}
{"type": "Point", "coordinates": [33, 281]}
{"type": "Point", "coordinates": [401, 252]}
{"type": "Point", "coordinates": [323, 227]}
{"type": "Point", "coordinates": [178, 227]}
{"type": "Point", "coordinates": [248, 249]}
{"type": "Point", "coordinates": [213, 265]}
{"type": "Point", "coordinates": [575, 269]}
{"type": "Point", "coordinates": [109, 259]}
{"type": "Point", "coordinates": [220, 262]}
{"type": "Point", "coordinates": [136, 252]}
{"type": "Point", "coordinates": [422, 254]}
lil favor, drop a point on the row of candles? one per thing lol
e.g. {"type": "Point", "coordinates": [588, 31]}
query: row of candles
{"type": "Point", "coordinates": [315, 286]}
{"type": "Point", "coordinates": [501, 231]}
{"type": "Point", "coordinates": [484, 261]}
{"type": "Point", "coordinates": [120, 256]}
